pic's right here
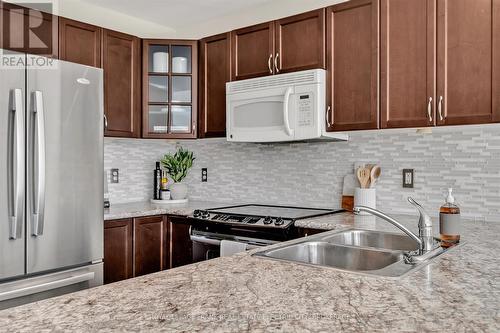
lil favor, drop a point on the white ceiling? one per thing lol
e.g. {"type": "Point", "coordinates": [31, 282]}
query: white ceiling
{"type": "Point", "coordinates": [190, 19]}
{"type": "Point", "coordinates": [177, 13]}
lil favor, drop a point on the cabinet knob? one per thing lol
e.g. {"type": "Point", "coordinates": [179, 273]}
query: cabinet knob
{"type": "Point", "coordinates": [269, 64]}
{"type": "Point", "coordinates": [276, 63]}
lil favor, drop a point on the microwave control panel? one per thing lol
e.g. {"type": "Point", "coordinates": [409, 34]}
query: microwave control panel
{"type": "Point", "coordinates": [305, 110]}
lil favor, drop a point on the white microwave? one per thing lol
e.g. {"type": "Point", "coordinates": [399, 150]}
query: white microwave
{"type": "Point", "coordinates": [278, 108]}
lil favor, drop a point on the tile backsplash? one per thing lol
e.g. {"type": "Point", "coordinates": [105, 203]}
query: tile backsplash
{"type": "Point", "coordinates": [311, 174]}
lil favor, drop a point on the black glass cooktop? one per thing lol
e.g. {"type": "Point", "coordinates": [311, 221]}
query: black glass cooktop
{"type": "Point", "coordinates": [288, 212]}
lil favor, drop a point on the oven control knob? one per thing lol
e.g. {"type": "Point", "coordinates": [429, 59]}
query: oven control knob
{"type": "Point", "coordinates": [268, 220]}
{"type": "Point", "coordinates": [205, 214]}
{"type": "Point", "coordinates": [279, 221]}
{"type": "Point", "coordinates": [197, 213]}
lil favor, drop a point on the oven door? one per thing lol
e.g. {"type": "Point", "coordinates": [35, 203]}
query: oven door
{"type": "Point", "coordinates": [206, 244]}
{"type": "Point", "coordinates": [262, 116]}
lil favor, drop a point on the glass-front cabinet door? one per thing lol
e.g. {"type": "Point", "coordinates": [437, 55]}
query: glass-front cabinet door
{"type": "Point", "coordinates": [169, 89]}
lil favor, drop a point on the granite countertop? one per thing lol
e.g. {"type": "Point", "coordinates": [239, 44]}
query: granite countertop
{"type": "Point", "coordinates": [457, 292]}
{"type": "Point", "coordinates": [145, 208]}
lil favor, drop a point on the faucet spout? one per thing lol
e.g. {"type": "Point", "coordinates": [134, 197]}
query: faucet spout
{"type": "Point", "coordinates": [393, 222]}
{"type": "Point", "coordinates": [425, 221]}
{"type": "Point", "coordinates": [424, 226]}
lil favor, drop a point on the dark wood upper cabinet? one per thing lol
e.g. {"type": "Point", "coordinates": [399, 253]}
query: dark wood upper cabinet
{"type": "Point", "coordinates": [252, 51]}
{"type": "Point", "coordinates": [300, 42]}
{"type": "Point", "coordinates": [118, 254]}
{"type": "Point", "coordinates": [170, 89]}
{"type": "Point", "coordinates": [150, 245]}
{"type": "Point", "coordinates": [28, 30]}
{"type": "Point", "coordinates": [181, 246]}
{"type": "Point", "coordinates": [121, 64]}
{"type": "Point", "coordinates": [215, 71]}
{"type": "Point", "coordinates": [496, 62]}
{"type": "Point", "coordinates": [390, 64]}
{"type": "Point", "coordinates": [352, 77]}
{"type": "Point", "coordinates": [291, 44]}
{"type": "Point", "coordinates": [468, 53]}
{"type": "Point", "coordinates": [407, 63]}
{"type": "Point", "coordinates": [79, 42]}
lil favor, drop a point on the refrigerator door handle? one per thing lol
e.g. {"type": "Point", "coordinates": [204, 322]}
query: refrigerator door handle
{"type": "Point", "coordinates": [16, 166]}
{"type": "Point", "coordinates": [46, 286]}
{"type": "Point", "coordinates": [38, 166]}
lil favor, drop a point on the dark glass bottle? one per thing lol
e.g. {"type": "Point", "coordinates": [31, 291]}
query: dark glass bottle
{"type": "Point", "coordinates": [157, 182]}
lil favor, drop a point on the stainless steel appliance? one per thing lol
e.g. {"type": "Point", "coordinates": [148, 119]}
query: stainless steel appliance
{"type": "Point", "coordinates": [51, 179]}
{"type": "Point", "coordinates": [255, 225]}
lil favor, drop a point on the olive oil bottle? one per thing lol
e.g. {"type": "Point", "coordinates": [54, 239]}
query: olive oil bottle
{"type": "Point", "coordinates": [449, 221]}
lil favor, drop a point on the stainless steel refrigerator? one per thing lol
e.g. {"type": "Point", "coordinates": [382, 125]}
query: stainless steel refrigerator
{"type": "Point", "coordinates": [51, 179]}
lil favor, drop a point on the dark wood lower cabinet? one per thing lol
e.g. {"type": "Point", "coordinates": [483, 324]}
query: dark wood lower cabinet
{"type": "Point", "coordinates": [181, 247]}
{"type": "Point", "coordinates": [135, 247]}
{"type": "Point", "coordinates": [118, 255]}
{"type": "Point", "coordinates": [150, 245]}
{"type": "Point", "coordinates": [304, 232]}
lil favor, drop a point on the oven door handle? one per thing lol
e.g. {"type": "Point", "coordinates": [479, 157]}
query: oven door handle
{"type": "Point", "coordinates": [251, 243]}
{"type": "Point", "coordinates": [205, 240]}
{"type": "Point", "coordinates": [216, 242]}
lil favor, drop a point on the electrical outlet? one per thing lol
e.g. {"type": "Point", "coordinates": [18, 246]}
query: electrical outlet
{"type": "Point", "coordinates": [204, 175]}
{"type": "Point", "coordinates": [115, 176]}
{"type": "Point", "coordinates": [408, 178]}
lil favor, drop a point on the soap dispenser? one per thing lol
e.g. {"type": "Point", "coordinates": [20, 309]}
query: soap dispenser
{"type": "Point", "coordinates": [449, 221]}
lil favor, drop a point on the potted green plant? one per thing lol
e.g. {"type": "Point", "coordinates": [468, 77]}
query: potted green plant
{"type": "Point", "coordinates": [177, 167]}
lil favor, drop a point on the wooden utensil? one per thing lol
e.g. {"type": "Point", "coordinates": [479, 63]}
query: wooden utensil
{"type": "Point", "coordinates": [364, 177]}
{"type": "Point", "coordinates": [375, 175]}
{"type": "Point", "coordinates": [370, 166]}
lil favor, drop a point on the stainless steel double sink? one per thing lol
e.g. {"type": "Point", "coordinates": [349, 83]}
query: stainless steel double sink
{"type": "Point", "coordinates": [361, 251]}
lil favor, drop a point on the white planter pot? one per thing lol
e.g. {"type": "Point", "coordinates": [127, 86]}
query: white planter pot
{"type": "Point", "coordinates": [178, 191]}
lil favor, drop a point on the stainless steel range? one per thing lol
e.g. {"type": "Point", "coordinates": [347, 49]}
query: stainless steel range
{"type": "Point", "coordinates": [254, 225]}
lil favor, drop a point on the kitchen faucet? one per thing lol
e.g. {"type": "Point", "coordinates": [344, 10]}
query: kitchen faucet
{"type": "Point", "coordinates": [425, 239]}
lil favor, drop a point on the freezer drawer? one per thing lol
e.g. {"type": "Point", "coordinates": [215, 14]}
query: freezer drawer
{"type": "Point", "coordinates": [65, 167]}
{"type": "Point", "coordinates": [41, 287]}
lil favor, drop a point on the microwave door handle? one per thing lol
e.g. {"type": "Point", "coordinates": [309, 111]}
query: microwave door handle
{"type": "Point", "coordinates": [288, 130]}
